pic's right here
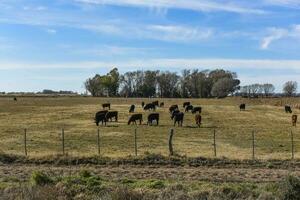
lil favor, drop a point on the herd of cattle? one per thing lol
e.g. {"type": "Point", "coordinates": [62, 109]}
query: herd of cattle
{"type": "Point", "coordinates": [176, 115]}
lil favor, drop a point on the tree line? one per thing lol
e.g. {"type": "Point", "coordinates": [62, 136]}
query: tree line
{"type": "Point", "coordinates": [154, 83]}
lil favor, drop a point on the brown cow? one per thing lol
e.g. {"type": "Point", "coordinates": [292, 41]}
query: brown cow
{"type": "Point", "coordinates": [135, 117]}
{"type": "Point", "coordinates": [198, 119]}
{"type": "Point", "coordinates": [294, 120]}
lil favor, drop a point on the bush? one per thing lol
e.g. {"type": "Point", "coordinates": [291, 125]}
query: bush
{"type": "Point", "coordinates": [39, 178]}
{"type": "Point", "coordinates": [290, 188]}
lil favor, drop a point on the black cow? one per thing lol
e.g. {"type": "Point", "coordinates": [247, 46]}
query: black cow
{"type": "Point", "coordinates": [188, 108]}
{"type": "Point", "coordinates": [134, 118]}
{"type": "Point", "coordinates": [153, 117]}
{"type": "Point", "coordinates": [100, 117]}
{"type": "Point", "coordinates": [178, 118]}
{"type": "Point", "coordinates": [173, 107]}
{"type": "Point", "coordinates": [131, 109]}
{"type": "Point", "coordinates": [197, 109]}
{"type": "Point", "coordinates": [162, 104]}
{"type": "Point", "coordinates": [111, 114]}
{"type": "Point", "coordinates": [288, 109]}
{"type": "Point", "coordinates": [106, 105]}
{"type": "Point", "coordinates": [15, 99]}
{"type": "Point", "coordinates": [143, 104]}
{"type": "Point", "coordinates": [186, 104]}
{"type": "Point", "coordinates": [149, 106]}
{"type": "Point", "coordinates": [156, 103]}
{"type": "Point", "coordinates": [243, 107]}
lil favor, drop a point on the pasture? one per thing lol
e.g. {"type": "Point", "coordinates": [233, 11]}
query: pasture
{"type": "Point", "coordinates": [44, 117]}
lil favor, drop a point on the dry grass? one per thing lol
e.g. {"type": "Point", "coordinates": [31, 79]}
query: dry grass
{"type": "Point", "coordinates": [45, 116]}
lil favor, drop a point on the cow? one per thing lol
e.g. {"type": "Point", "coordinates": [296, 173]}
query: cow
{"type": "Point", "coordinates": [111, 114]}
{"type": "Point", "coordinates": [149, 106]}
{"type": "Point", "coordinates": [143, 104]}
{"type": "Point", "coordinates": [15, 99]}
{"type": "Point", "coordinates": [162, 104]}
{"type": "Point", "coordinates": [294, 120]}
{"type": "Point", "coordinates": [243, 107]}
{"type": "Point", "coordinates": [106, 105]}
{"type": "Point", "coordinates": [288, 109]}
{"type": "Point", "coordinates": [173, 107]}
{"type": "Point", "coordinates": [188, 108]}
{"type": "Point", "coordinates": [178, 118]}
{"type": "Point", "coordinates": [186, 104]}
{"type": "Point", "coordinates": [134, 118]}
{"type": "Point", "coordinates": [196, 109]}
{"type": "Point", "coordinates": [198, 119]}
{"type": "Point", "coordinates": [100, 117]}
{"type": "Point", "coordinates": [153, 117]}
{"type": "Point", "coordinates": [156, 103]}
{"type": "Point", "coordinates": [131, 109]}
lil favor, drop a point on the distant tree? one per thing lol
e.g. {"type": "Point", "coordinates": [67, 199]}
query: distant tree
{"type": "Point", "coordinates": [268, 89]}
{"type": "Point", "coordinates": [167, 84]}
{"type": "Point", "coordinates": [223, 87]}
{"type": "Point", "coordinates": [290, 88]}
{"type": "Point", "coordinates": [94, 86]}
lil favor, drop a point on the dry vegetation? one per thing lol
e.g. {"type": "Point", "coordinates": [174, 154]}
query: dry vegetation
{"type": "Point", "coordinates": [44, 118]}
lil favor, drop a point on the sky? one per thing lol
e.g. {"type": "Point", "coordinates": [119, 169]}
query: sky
{"type": "Point", "coordinates": [58, 44]}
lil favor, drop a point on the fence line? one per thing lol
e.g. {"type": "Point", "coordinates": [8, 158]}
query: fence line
{"type": "Point", "coordinates": [254, 140]}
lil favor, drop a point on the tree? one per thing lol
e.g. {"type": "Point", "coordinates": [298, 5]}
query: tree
{"type": "Point", "coordinates": [93, 85]}
{"type": "Point", "coordinates": [223, 87]}
{"type": "Point", "coordinates": [290, 88]}
{"type": "Point", "coordinates": [168, 84]}
{"type": "Point", "coordinates": [268, 89]}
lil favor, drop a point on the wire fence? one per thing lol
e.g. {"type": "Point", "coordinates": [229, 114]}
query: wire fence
{"type": "Point", "coordinates": [246, 146]}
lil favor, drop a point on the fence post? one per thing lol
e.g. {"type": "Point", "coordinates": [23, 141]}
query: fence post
{"type": "Point", "coordinates": [292, 140]}
{"type": "Point", "coordinates": [25, 141]}
{"type": "Point", "coordinates": [63, 140]}
{"type": "Point", "coordinates": [253, 145]}
{"type": "Point", "coordinates": [135, 141]}
{"type": "Point", "coordinates": [98, 141]}
{"type": "Point", "coordinates": [214, 144]}
{"type": "Point", "coordinates": [170, 142]}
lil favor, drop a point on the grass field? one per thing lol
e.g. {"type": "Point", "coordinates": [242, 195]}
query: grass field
{"type": "Point", "coordinates": [44, 117]}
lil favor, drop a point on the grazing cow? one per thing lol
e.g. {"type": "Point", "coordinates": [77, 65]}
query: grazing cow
{"type": "Point", "coordinates": [243, 107]}
{"type": "Point", "coordinates": [188, 108]}
{"type": "Point", "coordinates": [162, 104]}
{"type": "Point", "coordinates": [111, 114]}
{"type": "Point", "coordinates": [186, 104]}
{"type": "Point", "coordinates": [198, 119]}
{"type": "Point", "coordinates": [143, 104]}
{"type": "Point", "coordinates": [131, 109]}
{"type": "Point", "coordinates": [197, 109]}
{"type": "Point", "coordinates": [134, 118]}
{"type": "Point", "coordinates": [106, 105]}
{"type": "Point", "coordinates": [149, 106]}
{"type": "Point", "coordinates": [173, 107]}
{"type": "Point", "coordinates": [153, 117]}
{"type": "Point", "coordinates": [288, 109]}
{"type": "Point", "coordinates": [15, 99]}
{"type": "Point", "coordinates": [178, 118]}
{"type": "Point", "coordinates": [294, 120]}
{"type": "Point", "coordinates": [156, 103]}
{"type": "Point", "coordinates": [100, 117]}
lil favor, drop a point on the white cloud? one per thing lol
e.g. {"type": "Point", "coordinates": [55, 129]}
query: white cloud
{"type": "Point", "coordinates": [196, 5]}
{"type": "Point", "coordinates": [51, 31]}
{"type": "Point", "coordinates": [280, 33]}
{"type": "Point", "coordinates": [163, 63]}
{"type": "Point", "coordinates": [284, 3]}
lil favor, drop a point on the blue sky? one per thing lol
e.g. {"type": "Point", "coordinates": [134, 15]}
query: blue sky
{"type": "Point", "coordinates": [57, 44]}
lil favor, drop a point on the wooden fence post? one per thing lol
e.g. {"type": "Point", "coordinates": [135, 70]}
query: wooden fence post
{"type": "Point", "coordinates": [63, 140]}
{"type": "Point", "coordinates": [253, 145]}
{"type": "Point", "coordinates": [25, 141]}
{"type": "Point", "coordinates": [171, 143]}
{"type": "Point", "coordinates": [214, 144]}
{"type": "Point", "coordinates": [135, 141]}
{"type": "Point", "coordinates": [98, 141]}
{"type": "Point", "coordinates": [292, 140]}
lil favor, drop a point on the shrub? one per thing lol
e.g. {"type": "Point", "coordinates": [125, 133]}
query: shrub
{"type": "Point", "coordinates": [39, 178]}
{"type": "Point", "coordinates": [290, 188]}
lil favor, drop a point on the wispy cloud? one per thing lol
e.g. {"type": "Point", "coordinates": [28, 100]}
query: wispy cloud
{"type": "Point", "coordinates": [196, 5]}
{"type": "Point", "coordinates": [286, 3]}
{"type": "Point", "coordinates": [280, 33]}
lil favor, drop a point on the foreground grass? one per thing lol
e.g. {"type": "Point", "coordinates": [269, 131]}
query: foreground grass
{"type": "Point", "coordinates": [44, 117]}
{"type": "Point", "coordinates": [86, 185]}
